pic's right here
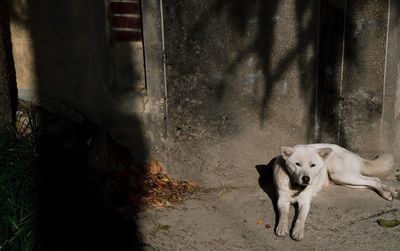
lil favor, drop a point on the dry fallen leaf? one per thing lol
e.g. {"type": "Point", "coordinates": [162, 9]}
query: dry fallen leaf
{"type": "Point", "coordinates": [165, 179]}
{"type": "Point", "coordinates": [267, 225]}
{"type": "Point", "coordinates": [161, 190]}
{"type": "Point", "coordinates": [154, 168]}
{"type": "Point", "coordinates": [260, 221]}
{"type": "Point", "coordinates": [388, 223]}
{"type": "Point", "coordinates": [191, 183]}
{"type": "Point", "coordinates": [163, 227]}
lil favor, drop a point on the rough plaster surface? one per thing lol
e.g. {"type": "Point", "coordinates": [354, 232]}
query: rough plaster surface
{"type": "Point", "coordinates": [66, 55]}
{"type": "Point", "coordinates": [285, 72]}
{"type": "Point", "coordinates": [232, 79]}
{"type": "Point", "coordinates": [363, 74]}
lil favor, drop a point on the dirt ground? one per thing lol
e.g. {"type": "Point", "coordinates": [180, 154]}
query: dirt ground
{"type": "Point", "coordinates": [235, 211]}
{"type": "Point", "coordinates": [243, 218]}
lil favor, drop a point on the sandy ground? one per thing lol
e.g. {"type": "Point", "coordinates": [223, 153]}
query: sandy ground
{"type": "Point", "coordinates": [232, 210]}
{"type": "Point", "coordinates": [235, 218]}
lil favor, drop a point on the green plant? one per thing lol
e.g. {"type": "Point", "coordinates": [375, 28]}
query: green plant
{"type": "Point", "coordinates": [18, 202]}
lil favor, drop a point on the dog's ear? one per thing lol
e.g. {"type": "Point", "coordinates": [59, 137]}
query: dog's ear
{"type": "Point", "coordinates": [286, 151]}
{"type": "Point", "coordinates": [324, 152]}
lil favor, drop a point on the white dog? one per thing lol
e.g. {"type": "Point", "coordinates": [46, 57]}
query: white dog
{"type": "Point", "coordinates": [303, 170]}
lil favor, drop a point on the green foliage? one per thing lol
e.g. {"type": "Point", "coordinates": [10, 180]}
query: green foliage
{"type": "Point", "coordinates": [18, 201]}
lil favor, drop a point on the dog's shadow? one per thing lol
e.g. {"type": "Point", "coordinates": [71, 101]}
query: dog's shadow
{"type": "Point", "coordinates": [266, 182]}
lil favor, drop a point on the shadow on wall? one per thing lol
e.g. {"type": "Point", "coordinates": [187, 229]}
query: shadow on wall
{"type": "Point", "coordinates": [319, 27]}
{"type": "Point", "coordinates": [89, 175]}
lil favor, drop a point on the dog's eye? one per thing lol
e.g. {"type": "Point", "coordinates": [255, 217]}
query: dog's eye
{"type": "Point", "coordinates": [298, 164]}
{"type": "Point", "coordinates": [312, 165]}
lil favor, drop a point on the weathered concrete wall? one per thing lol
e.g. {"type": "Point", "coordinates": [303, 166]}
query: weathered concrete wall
{"type": "Point", "coordinates": [226, 81]}
{"type": "Point", "coordinates": [233, 61]}
{"type": "Point", "coordinates": [72, 60]}
{"type": "Point", "coordinates": [64, 52]}
{"type": "Point", "coordinates": [363, 74]}
{"type": "Point", "coordinates": [358, 48]}
{"type": "Point", "coordinates": [66, 49]}
{"type": "Point", "coordinates": [330, 70]}
{"type": "Point", "coordinates": [244, 77]}
{"type": "Point", "coordinates": [153, 38]}
{"type": "Point", "coordinates": [241, 79]}
{"type": "Point", "coordinates": [351, 79]}
{"type": "Point", "coordinates": [391, 108]}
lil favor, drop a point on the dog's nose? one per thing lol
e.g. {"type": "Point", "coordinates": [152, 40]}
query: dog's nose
{"type": "Point", "coordinates": [306, 179]}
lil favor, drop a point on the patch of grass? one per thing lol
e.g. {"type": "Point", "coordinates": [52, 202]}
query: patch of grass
{"type": "Point", "coordinates": [18, 201]}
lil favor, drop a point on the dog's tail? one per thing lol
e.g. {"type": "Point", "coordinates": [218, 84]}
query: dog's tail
{"type": "Point", "coordinates": [381, 166]}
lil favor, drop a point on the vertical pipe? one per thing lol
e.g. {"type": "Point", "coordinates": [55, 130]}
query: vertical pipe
{"type": "Point", "coordinates": [164, 69]}
{"type": "Point", "coordinates": [342, 70]}
{"type": "Point", "coordinates": [317, 133]}
{"type": "Point", "coordinates": [385, 69]}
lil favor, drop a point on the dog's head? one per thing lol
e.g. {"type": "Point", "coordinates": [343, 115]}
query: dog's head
{"type": "Point", "coordinates": [304, 163]}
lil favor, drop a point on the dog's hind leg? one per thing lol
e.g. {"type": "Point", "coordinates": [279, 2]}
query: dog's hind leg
{"type": "Point", "coordinates": [357, 180]}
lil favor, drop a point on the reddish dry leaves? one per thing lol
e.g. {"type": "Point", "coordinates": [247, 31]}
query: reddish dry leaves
{"type": "Point", "coordinates": [161, 190]}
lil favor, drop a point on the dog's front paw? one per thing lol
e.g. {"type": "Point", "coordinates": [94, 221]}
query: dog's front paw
{"type": "Point", "coordinates": [281, 229]}
{"type": "Point", "coordinates": [298, 233]}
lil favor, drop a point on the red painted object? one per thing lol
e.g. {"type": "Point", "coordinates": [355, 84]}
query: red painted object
{"type": "Point", "coordinates": [125, 7]}
{"type": "Point", "coordinates": [127, 36]}
{"type": "Point", "coordinates": [126, 23]}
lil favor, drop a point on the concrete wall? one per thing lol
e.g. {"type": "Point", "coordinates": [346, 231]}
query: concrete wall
{"type": "Point", "coordinates": [363, 74]}
{"type": "Point", "coordinates": [353, 52]}
{"type": "Point", "coordinates": [59, 49]}
{"type": "Point", "coordinates": [244, 77]}
{"type": "Point", "coordinates": [241, 81]}
{"type": "Point", "coordinates": [226, 82]}
{"type": "Point", "coordinates": [65, 52]}
{"type": "Point", "coordinates": [228, 66]}
{"type": "Point", "coordinates": [358, 74]}
{"type": "Point", "coordinates": [391, 109]}
{"type": "Point", "coordinates": [77, 60]}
